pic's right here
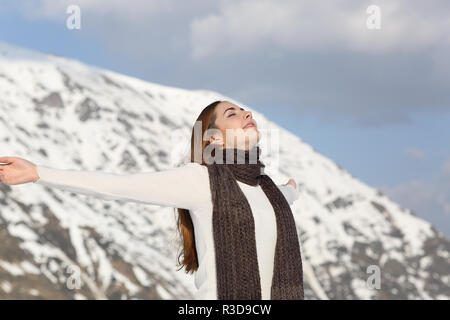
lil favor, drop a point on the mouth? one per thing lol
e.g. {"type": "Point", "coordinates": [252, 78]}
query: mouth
{"type": "Point", "coordinates": [249, 125]}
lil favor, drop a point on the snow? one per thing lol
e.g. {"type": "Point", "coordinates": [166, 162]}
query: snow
{"type": "Point", "coordinates": [6, 286]}
{"type": "Point", "coordinates": [141, 276]}
{"type": "Point", "coordinates": [142, 235]}
{"type": "Point", "coordinates": [12, 268]}
{"type": "Point", "coordinates": [29, 268]}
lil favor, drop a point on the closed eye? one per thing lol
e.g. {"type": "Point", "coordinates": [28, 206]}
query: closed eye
{"type": "Point", "coordinates": [232, 108]}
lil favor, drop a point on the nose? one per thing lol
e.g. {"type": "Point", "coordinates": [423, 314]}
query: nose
{"type": "Point", "coordinates": [248, 114]}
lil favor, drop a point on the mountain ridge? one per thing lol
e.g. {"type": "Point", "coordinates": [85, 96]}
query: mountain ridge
{"type": "Point", "coordinates": [62, 113]}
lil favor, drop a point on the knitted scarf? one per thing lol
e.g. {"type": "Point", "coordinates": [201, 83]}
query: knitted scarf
{"type": "Point", "coordinates": [234, 231]}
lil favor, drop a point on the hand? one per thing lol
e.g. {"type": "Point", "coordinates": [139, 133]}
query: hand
{"type": "Point", "coordinates": [292, 183]}
{"type": "Point", "coordinates": [14, 170]}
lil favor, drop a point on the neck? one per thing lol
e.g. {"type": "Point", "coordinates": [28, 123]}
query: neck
{"type": "Point", "coordinates": [241, 156]}
{"type": "Point", "coordinates": [244, 164]}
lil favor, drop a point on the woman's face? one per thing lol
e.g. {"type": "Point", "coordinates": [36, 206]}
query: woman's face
{"type": "Point", "coordinates": [234, 121]}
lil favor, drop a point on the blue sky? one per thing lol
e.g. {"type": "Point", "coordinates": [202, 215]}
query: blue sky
{"type": "Point", "coordinates": [374, 101]}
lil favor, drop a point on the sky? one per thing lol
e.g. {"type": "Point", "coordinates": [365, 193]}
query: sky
{"type": "Point", "coordinates": [374, 100]}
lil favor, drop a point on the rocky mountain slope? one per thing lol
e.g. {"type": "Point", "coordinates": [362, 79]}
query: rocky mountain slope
{"type": "Point", "coordinates": [64, 114]}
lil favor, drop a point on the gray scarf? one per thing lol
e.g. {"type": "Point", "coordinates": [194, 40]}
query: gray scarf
{"type": "Point", "coordinates": [234, 231]}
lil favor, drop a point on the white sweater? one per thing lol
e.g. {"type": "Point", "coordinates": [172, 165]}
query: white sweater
{"type": "Point", "coordinates": [184, 187]}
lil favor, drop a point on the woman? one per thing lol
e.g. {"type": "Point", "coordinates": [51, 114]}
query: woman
{"type": "Point", "coordinates": [237, 230]}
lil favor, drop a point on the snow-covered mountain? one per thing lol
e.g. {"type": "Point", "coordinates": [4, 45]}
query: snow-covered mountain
{"type": "Point", "coordinates": [64, 114]}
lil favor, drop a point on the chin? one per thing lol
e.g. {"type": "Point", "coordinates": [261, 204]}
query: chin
{"type": "Point", "coordinates": [254, 139]}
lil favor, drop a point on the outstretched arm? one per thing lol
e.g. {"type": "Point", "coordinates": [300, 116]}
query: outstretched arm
{"type": "Point", "coordinates": [181, 187]}
{"type": "Point", "coordinates": [177, 187]}
{"type": "Point", "coordinates": [289, 191]}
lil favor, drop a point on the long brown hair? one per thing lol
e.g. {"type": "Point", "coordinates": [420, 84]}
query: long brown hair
{"type": "Point", "coordinates": [185, 227]}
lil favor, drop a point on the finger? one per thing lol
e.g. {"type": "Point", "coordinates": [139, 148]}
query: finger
{"type": "Point", "coordinates": [292, 183]}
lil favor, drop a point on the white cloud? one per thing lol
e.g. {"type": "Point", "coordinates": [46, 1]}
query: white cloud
{"type": "Point", "coordinates": [414, 193]}
{"type": "Point", "coordinates": [428, 199]}
{"type": "Point", "coordinates": [414, 153]}
{"type": "Point", "coordinates": [240, 26]}
{"type": "Point", "coordinates": [234, 26]}
{"type": "Point", "coordinates": [314, 55]}
{"type": "Point", "coordinates": [131, 11]}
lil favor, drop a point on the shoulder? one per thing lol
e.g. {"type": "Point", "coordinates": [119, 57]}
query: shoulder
{"type": "Point", "coordinates": [289, 191]}
{"type": "Point", "coordinates": [194, 166]}
{"type": "Point", "coordinates": [195, 179]}
{"type": "Point", "coordinates": [293, 191]}
{"type": "Point", "coordinates": [194, 169]}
